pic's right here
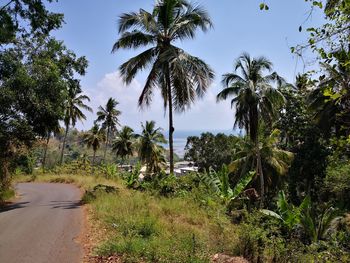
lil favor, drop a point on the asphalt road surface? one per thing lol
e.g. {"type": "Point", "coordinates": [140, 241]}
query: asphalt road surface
{"type": "Point", "coordinates": [42, 226]}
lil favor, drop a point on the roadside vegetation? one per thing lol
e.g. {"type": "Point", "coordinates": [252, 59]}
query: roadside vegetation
{"type": "Point", "coordinates": [279, 192]}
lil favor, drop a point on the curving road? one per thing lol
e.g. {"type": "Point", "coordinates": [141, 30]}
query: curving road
{"type": "Point", "coordinates": [42, 226]}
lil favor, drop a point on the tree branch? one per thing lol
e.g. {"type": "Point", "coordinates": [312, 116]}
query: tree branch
{"type": "Point", "coordinates": [3, 8]}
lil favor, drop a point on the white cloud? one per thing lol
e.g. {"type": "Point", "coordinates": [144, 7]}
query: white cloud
{"type": "Point", "coordinates": [205, 114]}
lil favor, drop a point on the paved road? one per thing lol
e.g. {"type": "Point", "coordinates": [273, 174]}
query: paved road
{"type": "Point", "coordinates": [42, 225]}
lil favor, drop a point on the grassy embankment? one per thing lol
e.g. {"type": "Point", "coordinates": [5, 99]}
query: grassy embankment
{"type": "Point", "coordinates": [144, 226]}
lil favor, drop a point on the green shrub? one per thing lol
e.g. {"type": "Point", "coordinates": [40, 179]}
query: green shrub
{"type": "Point", "coordinates": [6, 195]}
{"type": "Point", "coordinates": [337, 183]}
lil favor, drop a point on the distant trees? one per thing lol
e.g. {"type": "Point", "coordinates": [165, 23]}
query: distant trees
{"type": "Point", "coordinates": [108, 115]}
{"type": "Point", "coordinates": [179, 76]}
{"type": "Point", "coordinates": [209, 150]}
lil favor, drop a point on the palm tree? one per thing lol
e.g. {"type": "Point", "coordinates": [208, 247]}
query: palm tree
{"type": "Point", "coordinates": [272, 164]}
{"type": "Point", "coordinates": [109, 118]}
{"type": "Point", "coordinates": [255, 98]}
{"type": "Point", "coordinates": [123, 143]}
{"type": "Point", "coordinates": [254, 94]}
{"type": "Point", "coordinates": [94, 139]}
{"type": "Point", "coordinates": [72, 111]}
{"type": "Point", "coordinates": [150, 151]}
{"type": "Point", "coordinates": [179, 76]}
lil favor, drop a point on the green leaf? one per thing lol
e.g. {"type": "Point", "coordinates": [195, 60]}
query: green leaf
{"type": "Point", "coordinates": [242, 184]}
{"type": "Point", "coordinates": [271, 213]}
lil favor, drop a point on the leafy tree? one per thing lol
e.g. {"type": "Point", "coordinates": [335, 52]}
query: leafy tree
{"type": "Point", "coordinates": [179, 76]}
{"type": "Point", "coordinates": [295, 117]}
{"type": "Point", "coordinates": [331, 99]}
{"type": "Point", "coordinates": [34, 76]}
{"type": "Point", "coordinates": [26, 17]}
{"type": "Point", "coordinates": [210, 150]}
{"type": "Point", "coordinates": [272, 164]}
{"type": "Point", "coordinates": [300, 135]}
{"type": "Point", "coordinates": [308, 169]}
{"type": "Point", "coordinates": [123, 144]}
{"type": "Point", "coordinates": [109, 118]}
{"type": "Point", "coordinates": [72, 110]}
{"type": "Point", "coordinates": [150, 151]}
{"type": "Point", "coordinates": [94, 139]}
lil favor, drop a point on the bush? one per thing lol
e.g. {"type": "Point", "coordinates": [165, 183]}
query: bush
{"type": "Point", "coordinates": [171, 186]}
{"type": "Point", "coordinates": [6, 195]}
{"type": "Point", "coordinates": [337, 184]}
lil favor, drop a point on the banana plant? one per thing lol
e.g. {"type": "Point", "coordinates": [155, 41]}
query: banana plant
{"type": "Point", "coordinates": [315, 226]}
{"type": "Point", "coordinates": [219, 183]}
{"type": "Point", "coordinates": [289, 214]}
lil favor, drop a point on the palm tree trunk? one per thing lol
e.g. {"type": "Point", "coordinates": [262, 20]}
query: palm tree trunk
{"type": "Point", "coordinates": [93, 162]}
{"type": "Point", "coordinates": [253, 124]}
{"type": "Point", "coordinates": [107, 140]}
{"type": "Point", "coordinates": [171, 128]}
{"type": "Point", "coordinates": [261, 176]}
{"type": "Point", "coordinates": [45, 151]}
{"type": "Point", "coordinates": [64, 144]}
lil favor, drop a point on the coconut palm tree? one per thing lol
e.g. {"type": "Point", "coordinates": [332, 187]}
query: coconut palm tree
{"type": "Point", "coordinates": [255, 99]}
{"type": "Point", "coordinates": [73, 107]}
{"type": "Point", "coordinates": [94, 139]}
{"type": "Point", "coordinates": [109, 118]}
{"type": "Point", "coordinates": [179, 76]}
{"type": "Point", "coordinates": [123, 143]}
{"type": "Point", "coordinates": [272, 164]}
{"type": "Point", "coordinates": [150, 151]}
{"type": "Point", "coordinates": [254, 94]}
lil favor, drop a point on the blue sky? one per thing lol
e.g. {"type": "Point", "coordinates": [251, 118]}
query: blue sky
{"type": "Point", "coordinates": [239, 25]}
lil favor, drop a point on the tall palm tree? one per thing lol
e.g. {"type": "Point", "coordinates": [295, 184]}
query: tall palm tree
{"type": "Point", "coordinates": [123, 143]}
{"type": "Point", "coordinates": [179, 76]}
{"type": "Point", "coordinates": [94, 139]}
{"type": "Point", "coordinates": [255, 99]}
{"type": "Point", "coordinates": [73, 111]}
{"type": "Point", "coordinates": [109, 118]}
{"type": "Point", "coordinates": [254, 95]}
{"type": "Point", "coordinates": [272, 164]}
{"type": "Point", "coordinates": [150, 151]}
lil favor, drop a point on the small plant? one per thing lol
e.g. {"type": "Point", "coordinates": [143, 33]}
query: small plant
{"type": "Point", "coordinates": [110, 171]}
{"type": "Point", "coordinates": [219, 183]}
{"type": "Point", "coordinates": [315, 226]}
{"type": "Point", "coordinates": [132, 178]}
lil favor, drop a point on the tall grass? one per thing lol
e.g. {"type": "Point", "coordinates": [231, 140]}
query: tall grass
{"type": "Point", "coordinates": [158, 229]}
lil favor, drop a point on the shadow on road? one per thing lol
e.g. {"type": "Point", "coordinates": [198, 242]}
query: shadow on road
{"type": "Point", "coordinates": [65, 204]}
{"type": "Point", "coordinates": [9, 207]}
